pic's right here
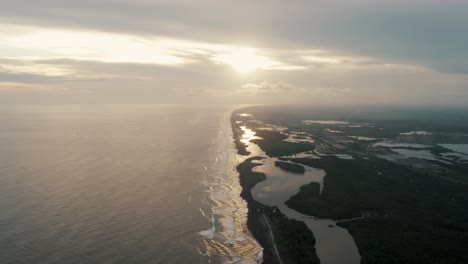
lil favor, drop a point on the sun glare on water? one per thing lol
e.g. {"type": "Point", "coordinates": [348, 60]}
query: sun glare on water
{"type": "Point", "coordinates": [245, 60]}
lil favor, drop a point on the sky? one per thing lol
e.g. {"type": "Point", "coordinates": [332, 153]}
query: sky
{"type": "Point", "coordinates": [234, 52]}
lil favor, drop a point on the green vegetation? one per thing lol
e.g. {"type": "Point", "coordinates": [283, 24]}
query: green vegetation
{"type": "Point", "coordinates": [241, 147]}
{"type": "Point", "coordinates": [291, 167]}
{"type": "Point", "coordinates": [295, 240]}
{"type": "Point", "coordinates": [274, 146]}
{"type": "Point", "coordinates": [415, 210]}
{"type": "Point", "coordinates": [308, 201]}
{"type": "Point", "coordinates": [410, 217]}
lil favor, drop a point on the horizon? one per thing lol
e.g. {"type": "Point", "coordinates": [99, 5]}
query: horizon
{"type": "Point", "coordinates": [254, 132]}
{"type": "Point", "coordinates": [353, 53]}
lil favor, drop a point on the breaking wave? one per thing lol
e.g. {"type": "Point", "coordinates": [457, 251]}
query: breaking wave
{"type": "Point", "coordinates": [228, 239]}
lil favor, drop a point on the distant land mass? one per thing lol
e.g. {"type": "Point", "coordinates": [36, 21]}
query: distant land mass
{"type": "Point", "coordinates": [395, 179]}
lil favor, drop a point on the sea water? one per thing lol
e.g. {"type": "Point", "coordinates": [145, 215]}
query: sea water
{"type": "Point", "coordinates": [120, 184]}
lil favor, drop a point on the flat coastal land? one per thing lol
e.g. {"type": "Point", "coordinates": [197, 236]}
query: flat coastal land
{"type": "Point", "coordinates": [283, 240]}
{"type": "Point", "coordinates": [398, 184]}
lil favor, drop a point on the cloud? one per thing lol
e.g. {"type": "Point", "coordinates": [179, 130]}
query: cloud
{"type": "Point", "coordinates": [55, 71]}
{"type": "Point", "coordinates": [265, 88]}
{"type": "Point", "coordinates": [183, 51]}
{"type": "Point", "coordinates": [35, 43]}
{"type": "Point", "coordinates": [331, 91]}
{"type": "Point", "coordinates": [431, 33]}
{"type": "Point", "coordinates": [13, 88]}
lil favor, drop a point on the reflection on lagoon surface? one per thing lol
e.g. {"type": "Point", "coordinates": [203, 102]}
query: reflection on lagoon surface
{"type": "Point", "coordinates": [248, 134]}
{"type": "Point", "coordinates": [281, 185]}
{"type": "Point", "coordinates": [334, 245]}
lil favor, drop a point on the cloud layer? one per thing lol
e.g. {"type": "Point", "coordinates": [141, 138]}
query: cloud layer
{"type": "Point", "coordinates": [358, 51]}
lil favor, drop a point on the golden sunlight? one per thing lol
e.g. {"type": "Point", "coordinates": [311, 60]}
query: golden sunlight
{"type": "Point", "coordinates": [245, 60]}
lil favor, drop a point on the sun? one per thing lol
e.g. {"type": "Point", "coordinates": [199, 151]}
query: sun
{"type": "Point", "coordinates": [244, 60]}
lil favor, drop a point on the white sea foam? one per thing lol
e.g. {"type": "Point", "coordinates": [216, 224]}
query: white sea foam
{"type": "Point", "coordinates": [209, 233]}
{"type": "Point", "coordinates": [228, 238]}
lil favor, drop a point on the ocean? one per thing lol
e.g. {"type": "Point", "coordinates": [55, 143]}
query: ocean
{"type": "Point", "coordinates": [120, 184]}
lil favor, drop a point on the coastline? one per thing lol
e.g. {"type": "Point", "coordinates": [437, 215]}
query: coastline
{"type": "Point", "coordinates": [365, 198]}
{"type": "Point", "coordinates": [283, 240]}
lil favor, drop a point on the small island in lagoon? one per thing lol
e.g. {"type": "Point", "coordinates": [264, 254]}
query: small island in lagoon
{"type": "Point", "coordinates": [402, 196]}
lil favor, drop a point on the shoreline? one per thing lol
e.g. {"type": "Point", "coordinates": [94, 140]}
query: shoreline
{"type": "Point", "coordinates": [283, 240]}
{"type": "Point", "coordinates": [366, 194]}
